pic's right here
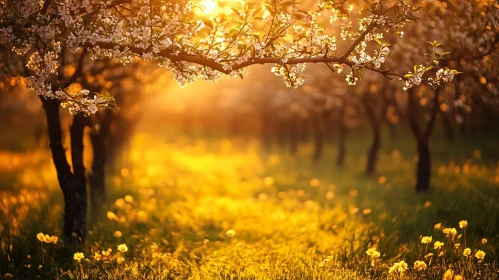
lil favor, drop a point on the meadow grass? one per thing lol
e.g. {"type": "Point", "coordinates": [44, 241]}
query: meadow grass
{"type": "Point", "coordinates": [225, 209]}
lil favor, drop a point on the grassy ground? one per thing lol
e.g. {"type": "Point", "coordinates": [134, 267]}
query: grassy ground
{"type": "Point", "coordinates": [226, 210]}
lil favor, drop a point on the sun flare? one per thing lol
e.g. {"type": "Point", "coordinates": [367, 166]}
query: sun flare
{"type": "Point", "coordinates": [206, 7]}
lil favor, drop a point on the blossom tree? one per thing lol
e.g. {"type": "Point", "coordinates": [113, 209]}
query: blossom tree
{"type": "Point", "coordinates": [193, 40]}
{"type": "Point", "coordinates": [469, 31]}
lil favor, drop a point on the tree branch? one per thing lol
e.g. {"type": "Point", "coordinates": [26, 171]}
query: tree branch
{"type": "Point", "coordinates": [78, 70]}
{"type": "Point", "coordinates": [218, 66]}
{"type": "Point", "coordinates": [411, 115]}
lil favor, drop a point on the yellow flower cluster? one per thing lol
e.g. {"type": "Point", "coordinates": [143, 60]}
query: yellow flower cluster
{"type": "Point", "coordinates": [111, 216]}
{"type": "Point", "coordinates": [480, 255]}
{"type": "Point", "coordinates": [426, 239]}
{"type": "Point", "coordinates": [419, 265]}
{"type": "Point", "coordinates": [107, 253]}
{"type": "Point", "coordinates": [230, 233]}
{"type": "Point", "coordinates": [45, 238]}
{"type": "Point", "coordinates": [373, 253]}
{"type": "Point", "coordinates": [450, 231]}
{"type": "Point", "coordinates": [97, 256]}
{"type": "Point", "coordinates": [122, 248]}
{"type": "Point", "coordinates": [129, 198]}
{"type": "Point", "coordinates": [467, 252]}
{"type": "Point", "coordinates": [463, 224]}
{"type": "Point", "coordinates": [78, 256]}
{"type": "Point", "coordinates": [399, 267]}
{"type": "Point", "coordinates": [438, 245]}
{"type": "Point", "coordinates": [103, 255]}
{"type": "Point", "coordinates": [448, 274]}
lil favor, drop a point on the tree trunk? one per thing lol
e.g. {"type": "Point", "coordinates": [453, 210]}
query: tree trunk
{"type": "Point", "coordinates": [281, 132]}
{"type": "Point", "coordinates": [293, 135]}
{"type": "Point", "coordinates": [78, 205]}
{"type": "Point", "coordinates": [319, 138]}
{"type": "Point", "coordinates": [423, 171]}
{"type": "Point", "coordinates": [423, 167]}
{"type": "Point", "coordinates": [375, 123]}
{"type": "Point", "coordinates": [302, 128]}
{"type": "Point", "coordinates": [74, 228]}
{"type": "Point", "coordinates": [393, 130]}
{"type": "Point", "coordinates": [98, 174]}
{"type": "Point", "coordinates": [447, 124]}
{"type": "Point", "coordinates": [372, 156]}
{"type": "Point", "coordinates": [100, 138]}
{"type": "Point", "coordinates": [342, 130]}
{"type": "Point", "coordinates": [266, 131]}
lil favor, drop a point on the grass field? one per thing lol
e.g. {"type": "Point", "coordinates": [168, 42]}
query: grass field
{"type": "Point", "coordinates": [224, 209]}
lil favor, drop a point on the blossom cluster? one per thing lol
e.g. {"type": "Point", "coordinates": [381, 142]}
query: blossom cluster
{"type": "Point", "coordinates": [194, 42]}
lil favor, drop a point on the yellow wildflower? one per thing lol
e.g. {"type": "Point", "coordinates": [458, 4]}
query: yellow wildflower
{"type": "Point", "coordinates": [97, 256]}
{"type": "Point", "coordinates": [484, 240]}
{"type": "Point", "coordinates": [329, 195]}
{"type": "Point", "coordinates": [429, 255]}
{"type": "Point", "coordinates": [40, 236]}
{"type": "Point", "coordinates": [426, 239]}
{"type": "Point", "coordinates": [122, 248]}
{"type": "Point", "coordinates": [117, 234]}
{"type": "Point", "coordinates": [457, 245]}
{"type": "Point", "coordinates": [463, 224]}
{"type": "Point", "coordinates": [438, 226]}
{"type": "Point", "coordinates": [458, 277]}
{"type": "Point", "coordinates": [230, 233]}
{"type": "Point", "coordinates": [448, 274]}
{"type": "Point", "coordinates": [112, 216]}
{"type": "Point", "coordinates": [107, 253]}
{"type": "Point", "coordinates": [399, 267]}
{"type": "Point", "coordinates": [480, 254]}
{"type": "Point", "coordinates": [373, 253]}
{"type": "Point", "coordinates": [141, 215]}
{"type": "Point", "coordinates": [382, 180]}
{"type": "Point", "coordinates": [120, 260]}
{"type": "Point", "coordinates": [78, 256]}
{"type": "Point", "coordinates": [419, 265]}
{"type": "Point", "coordinates": [449, 231]}
{"type": "Point", "coordinates": [120, 203]}
{"type": "Point", "coordinates": [315, 182]}
{"type": "Point", "coordinates": [466, 252]}
{"type": "Point", "coordinates": [129, 198]}
{"type": "Point", "coordinates": [45, 238]}
{"type": "Point", "coordinates": [438, 244]}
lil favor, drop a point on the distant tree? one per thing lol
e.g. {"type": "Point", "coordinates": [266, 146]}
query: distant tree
{"type": "Point", "coordinates": [469, 32]}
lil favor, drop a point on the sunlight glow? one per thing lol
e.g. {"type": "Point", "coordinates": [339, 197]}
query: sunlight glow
{"type": "Point", "coordinates": [206, 7]}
